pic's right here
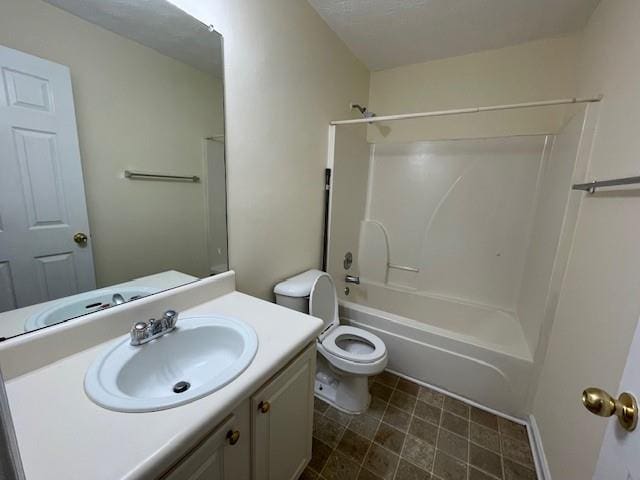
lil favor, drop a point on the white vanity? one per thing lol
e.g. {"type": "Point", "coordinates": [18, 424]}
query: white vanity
{"type": "Point", "coordinates": [257, 426]}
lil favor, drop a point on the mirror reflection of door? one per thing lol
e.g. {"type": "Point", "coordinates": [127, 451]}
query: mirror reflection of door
{"type": "Point", "coordinates": [42, 200]}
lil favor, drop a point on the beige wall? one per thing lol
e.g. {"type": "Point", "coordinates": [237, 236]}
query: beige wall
{"type": "Point", "coordinates": [532, 71]}
{"type": "Point", "coordinates": [135, 109]}
{"type": "Point", "coordinates": [599, 304]}
{"type": "Point", "coordinates": [287, 76]}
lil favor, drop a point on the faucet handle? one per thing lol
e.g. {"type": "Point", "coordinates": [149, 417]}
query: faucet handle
{"type": "Point", "coordinates": [169, 319]}
{"type": "Point", "coordinates": [138, 332]}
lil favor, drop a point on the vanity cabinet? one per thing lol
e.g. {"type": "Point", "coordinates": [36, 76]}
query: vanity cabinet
{"type": "Point", "coordinates": [282, 421]}
{"type": "Point", "coordinates": [268, 437]}
{"type": "Point", "coordinates": [223, 455]}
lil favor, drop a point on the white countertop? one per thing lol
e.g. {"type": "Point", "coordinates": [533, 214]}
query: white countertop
{"type": "Point", "coordinates": [64, 435]}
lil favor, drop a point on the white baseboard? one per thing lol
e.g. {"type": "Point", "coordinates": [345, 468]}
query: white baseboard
{"type": "Point", "coordinates": [540, 459]}
{"type": "Point", "coordinates": [460, 397]}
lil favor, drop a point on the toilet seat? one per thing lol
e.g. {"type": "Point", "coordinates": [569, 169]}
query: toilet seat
{"type": "Point", "coordinates": [331, 342]}
{"type": "Point", "coordinates": [334, 338]}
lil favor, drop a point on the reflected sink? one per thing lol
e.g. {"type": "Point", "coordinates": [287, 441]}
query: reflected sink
{"type": "Point", "coordinates": [82, 304]}
{"type": "Point", "coordinates": [202, 355]}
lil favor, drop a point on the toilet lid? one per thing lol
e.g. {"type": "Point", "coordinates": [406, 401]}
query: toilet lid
{"type": "Point", "coordinates": [354, 344]}
{"type": "Point", "coordinates": [323, 301]}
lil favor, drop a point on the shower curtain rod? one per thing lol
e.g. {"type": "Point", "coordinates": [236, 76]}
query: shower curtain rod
{"type": "Point", "coordinates": [458, 111]}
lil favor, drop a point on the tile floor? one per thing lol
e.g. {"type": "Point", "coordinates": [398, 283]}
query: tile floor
{"type": "Point", "coordinates": [411, 432]}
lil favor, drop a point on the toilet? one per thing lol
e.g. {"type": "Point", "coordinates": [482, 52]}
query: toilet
{"type": "Point", "coordinates": [348, 356]}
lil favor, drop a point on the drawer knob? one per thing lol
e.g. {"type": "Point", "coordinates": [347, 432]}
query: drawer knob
{"type": "Point", "coordinates": [233, 436]}
{"type": "Point", "coordinates": [264, 406]}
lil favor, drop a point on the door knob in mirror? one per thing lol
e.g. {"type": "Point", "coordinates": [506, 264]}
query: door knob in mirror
{"type": "Point", "coordinates": [600, 403]}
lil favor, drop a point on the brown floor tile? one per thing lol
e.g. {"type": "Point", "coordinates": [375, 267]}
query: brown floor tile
{"type": "Point", "coordinates": [367, 475]}
{"type": "Point", "coordinates": [377, 407]}
{"type": "Point", "coordinates": [453, 445]}
{"type": "Point", "coordinates": [383, 392]}
{"type": "Point", "coordinates": [389, 437]}
{"type": "Point", "coordinates": [513, 471]}
{"type": "Point", "coordinates": [397, 418]}
{"type": "Point", "coordinates": [449, 468]}
{"type": "Point", "coordinates": [412, 432]}
{"type": "Point", "coordinates": [387, 378]}
{"type": "Point", "coordinates": [320, 405]}
{"type": "Point", "coordinates": [320, 452]}
{"type": "Point", "coordinates": [418, 452]}
{"type": "Point", "coordinates": [353, 446]}
{"type": "Point", "coordinates": [485, 460]}
{"type": "Point", "coordinates": [408, 387]}
{"type": "Point", "coordinates": [408, 471]}
{"type": "Point", "coordinates": [484, 418]}
{"type": "Point", "coordinates": [364, 425]}
{"type": "Point", "coordinates": [485, 437]}
{"type": "Point", "coordinates": [339, 467]}
{"type": "Point", "coordinates": [475, 474]}
{"type": "Point", "coordinates": [337, 416]}
{"type": "Point", "coordinates": [327, 430]}
{"type": "Point", "coordinates": [455, 424]}
{"type": "Point", "coordinates": [454, 405]}
{"type": "Point", "coordinates": [427, 412]}
{"type": "Point", "coordinates": [403, 401]}
{"type": "Point", "coordinates": [512, 429]}
{"type": "Point", "coordinates": [431, 397]}
{"type": "Point", "coordinates": [381, 462]}
{"type": "Point", "coordinates": [308, 474]}
{"type": "Point", "coordinates": [423, 430]}
{"type": "Point", "coordinates": [517, 451]}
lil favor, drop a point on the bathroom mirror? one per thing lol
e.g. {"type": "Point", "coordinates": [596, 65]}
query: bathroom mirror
{"type": "Point", "coordinates": [112, 156]}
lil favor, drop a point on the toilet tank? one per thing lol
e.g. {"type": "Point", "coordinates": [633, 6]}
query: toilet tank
{"type": "Point", "coordinates": [294, 292]}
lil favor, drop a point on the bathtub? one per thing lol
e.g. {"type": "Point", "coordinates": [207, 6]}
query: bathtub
{"type": "Point", "coordinates": [474, 351]}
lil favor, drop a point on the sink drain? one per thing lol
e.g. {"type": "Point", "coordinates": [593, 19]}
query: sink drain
{"type": "Point", "coordinates": [181, 387]}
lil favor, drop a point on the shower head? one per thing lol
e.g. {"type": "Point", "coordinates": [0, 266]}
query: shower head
{"type": "Point", "coordinates": [363, 110]}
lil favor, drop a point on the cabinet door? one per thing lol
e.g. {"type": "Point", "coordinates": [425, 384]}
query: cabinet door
{"type": "Point", "coordinates": [207, 460]}
{"type": "Point", "coordinates": [282, 421]}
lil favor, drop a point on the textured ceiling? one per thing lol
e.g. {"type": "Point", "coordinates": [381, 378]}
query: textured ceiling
{"type": "Point", "coordinates": [389, 33]}
{"type": "Point", "coordinates": [156, 24]}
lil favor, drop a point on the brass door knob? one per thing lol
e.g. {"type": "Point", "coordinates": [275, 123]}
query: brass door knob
{"type": "Point", "coordinates": [600, 403]}
{"type": "Point", "coordinates": [264, 406]}
{"type": "Point", "coordinates": [233, 436]}
{"type": "Point", "coordinates": [81, 238]}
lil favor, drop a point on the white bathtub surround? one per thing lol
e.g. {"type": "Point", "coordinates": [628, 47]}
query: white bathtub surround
{"type": "Point", "coordinates": [483, 368]}
{"type": "Point", "coordinates": [79, 432]}
{"type": "Point", "coordinates": [461, 247]}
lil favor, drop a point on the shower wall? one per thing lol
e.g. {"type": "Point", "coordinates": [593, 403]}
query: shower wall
{"type": "Point", "coordinates": [484, 222]}
{"type": "Point", "coordinates": [460, 212]}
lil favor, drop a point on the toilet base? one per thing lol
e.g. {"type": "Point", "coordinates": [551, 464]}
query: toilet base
{"type": "Point", "coordinates": [348, 393]}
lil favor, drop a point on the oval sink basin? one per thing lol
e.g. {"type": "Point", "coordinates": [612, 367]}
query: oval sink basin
{"type": "Point", "coordinates": [82, 304]}
{"type": "Point", "coordinates": [202, 355]}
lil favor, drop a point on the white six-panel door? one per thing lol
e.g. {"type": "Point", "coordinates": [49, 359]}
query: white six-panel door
{"type": "Point", "coordinates": [620, 452]}
{"type": "Point", "coordinates": [42, 200]}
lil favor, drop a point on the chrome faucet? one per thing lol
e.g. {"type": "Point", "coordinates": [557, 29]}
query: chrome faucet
{"type": "Point", "coordinates": [117, 299]}
{"type": "Point", "coordinates": [143, 332]}
{"type": "Point", "coordinates": [352, 279]}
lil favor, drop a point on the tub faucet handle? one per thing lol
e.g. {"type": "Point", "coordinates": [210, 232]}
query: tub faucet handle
{"type": "Point", "coordinates": [352, 279]}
